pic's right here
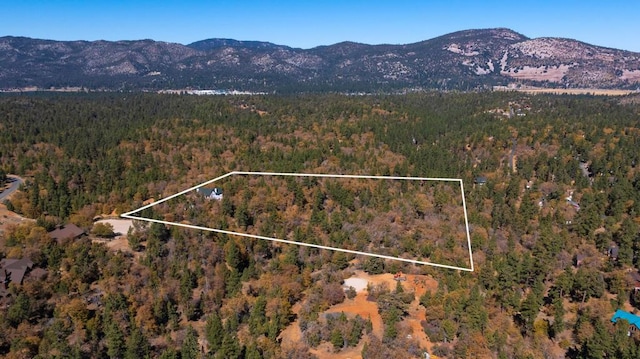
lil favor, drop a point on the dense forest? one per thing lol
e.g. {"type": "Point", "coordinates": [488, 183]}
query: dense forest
{"type": "Point", "coordinates": [552, 188]}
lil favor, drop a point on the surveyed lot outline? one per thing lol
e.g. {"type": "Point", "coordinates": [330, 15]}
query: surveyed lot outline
{"type": "Point", "coordinates": [130, 214]}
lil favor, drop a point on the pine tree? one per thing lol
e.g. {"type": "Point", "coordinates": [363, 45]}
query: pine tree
{"type": "Point", "coordinates": [530, 309]}
{"type": "Point", "coordinates": [137, 345]}
{"type": "Point", "coordinates": [399, 288]}
{"type": "Point", "coordinates": [336, 339]}
{"type": "Point", "coordinates": [214, 332]}
{"type": "Point", "coordinates": [476, 312]}
{"type": "Point", "coordinates": [233, 256]}
{"type": "Point", "coordinates": [159, 231]}
{"type": "Point", "coordinates": [230, 348]}
{"type": "Point", "coordinates": [190, 349]}
{"type": "Point", "coordinates": [115, 340]}
{"type": "Point", "coordinates": [169, 354]}
{"type": "Point", "coordinates": [242, 216]}
{"type": "Point", "coordinates": [253, 353]}
{"type": "Point", "coordinates": [558, 316]}
{"type": "Point", "coordinates": [257, 318]}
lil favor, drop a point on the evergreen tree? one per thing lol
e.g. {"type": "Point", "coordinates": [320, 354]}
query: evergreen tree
{"type": "Point", "coordinates": [233, 256]}
{"type": "Point", "coordinates": [115, 340]}
{"type": "Point", "coordinates": [558, 316]}
{"type": "Point", "coordinates": [242, 216]}
{"type": "Point", "coordinates": [253, 353]}
{"type": "Point", "coordinates": [530, 309]}
{"type": "Point", "coordinates": [137, 345]}
{"type": "Point", "coordinates": [336, 339]}
{"type": "Point", "coordinates": [169, 354]}
{"type": "Point", "coordinates": [214, 332]}
{"type": "Point", "coordinates": [230, 348]}
{"type": "Point", "coordinates": [625, 237]}
{"type": "Point", "coordinates": [20, 310]}
{"type": "Point", "coordinates": [257, 318]}
{"type": "Point", "coordinates": [159, 231]}
{"type": "Point", "coordinates": [190, 348]}
{"type": "Point", "coordinates": [587, 283]}
{"type": "Point", "coordinates": [373, 265]}
{"type": "Point", "coordinates": [477, 315]}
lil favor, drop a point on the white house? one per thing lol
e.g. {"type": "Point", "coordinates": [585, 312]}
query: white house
{"type": "Point", "coordinates": [209, 193]}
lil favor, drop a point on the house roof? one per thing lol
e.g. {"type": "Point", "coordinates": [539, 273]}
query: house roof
{"type": "Point", "coordinates": [14, 268]}
{"type": "Point", "coordinates": [481, 179]}
{"type": "Point", "coordinates": [208, 192]}
{"type": "Point", "coordinates": [631, 318]}
{"type": "Point", "coordinates": [575, 204]}
{"type": "Point", "coordinates": [613, 251]}
{"type": "Point", "coordinates": [67, 231]}
{"type": "Point", "coordinates": [11, 263]}
{"type": "Point", "coordinates": [205, 191]}
{"type": "Point", "coordinates": [634, 279]}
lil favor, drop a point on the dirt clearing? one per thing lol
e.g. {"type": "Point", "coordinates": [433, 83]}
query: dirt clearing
{"type": "Point", "coordinates": [359, 305]}
{"type": "Point", "coordinates": [358, 284]}
{"type": "Point", "coordinates": [8, 218]}
{"type": "Point", "coordinates": [120, 226]}
{"type": "Point", "coordinates": [119, 242]}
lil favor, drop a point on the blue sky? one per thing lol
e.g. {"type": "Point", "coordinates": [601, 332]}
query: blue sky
{"type": "Point", "coordinates": [307, 24]}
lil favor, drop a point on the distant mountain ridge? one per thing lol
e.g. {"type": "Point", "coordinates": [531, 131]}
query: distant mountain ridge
{"type": "Point", "coordinates": [463, 60]}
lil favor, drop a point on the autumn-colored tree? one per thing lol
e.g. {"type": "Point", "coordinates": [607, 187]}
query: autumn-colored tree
{"type": "Point", "coordinates": [150, 145]}
{"type": "Point", "coordinates": [104, 230]}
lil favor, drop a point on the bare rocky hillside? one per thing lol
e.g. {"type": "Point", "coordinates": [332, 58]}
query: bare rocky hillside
{"type": "Point", "coordinates": [464, 60]}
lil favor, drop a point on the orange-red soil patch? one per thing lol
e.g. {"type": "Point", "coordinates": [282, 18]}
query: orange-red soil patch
{"type": "Point", "coordinates": [419, 284]}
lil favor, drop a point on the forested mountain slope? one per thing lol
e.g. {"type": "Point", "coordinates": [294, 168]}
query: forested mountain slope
{"type": "Point", "coordinates": [463, 60]}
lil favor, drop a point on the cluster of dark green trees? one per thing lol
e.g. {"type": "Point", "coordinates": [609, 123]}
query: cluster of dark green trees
{"type": "Point", "coordinates": [185, 293]}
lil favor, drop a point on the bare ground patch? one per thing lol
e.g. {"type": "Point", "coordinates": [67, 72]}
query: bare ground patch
{"type": "Point", "coordinates": [8, 218]}
{"type": "Point", "coordinates": [120, 226]}
{"type": "Point", "coordinates": [120, 241]}
{"type": "Point", "coordinates": [359, 305]}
